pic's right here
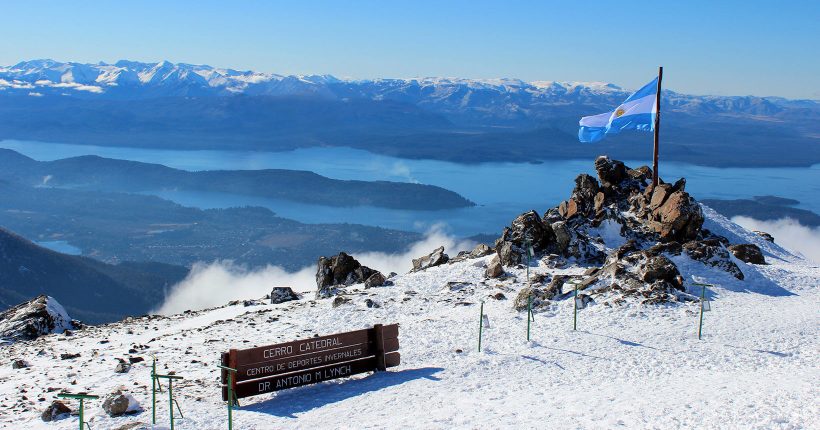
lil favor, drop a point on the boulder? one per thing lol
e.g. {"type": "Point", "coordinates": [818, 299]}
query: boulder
{"type": "Point", "coordinates": [20, 364]}
{"type": "Point", "coordinates": [660, 268]}
{"type": "Point", "coordinates": [610, 172]}
{"type": "Point", "coordinates": [480, 250]}
{"type": "Point", "coordinates": [57, 410]}
{"type": "Point", "coordinates": [528, 227]}
{"type": "Point", "coordinates": [282, 295]}
{"type": "Point", "coordinates": [764, 235]}
{"type": "Point", "coordinates": [748, 253]}
{"type": "Point", "coordinates": [435, 258]}
{"type": "Point", "coordinates": [340, 300]}
{"type": "Point", "coordinates": [122, 366]}
{"type": "Point", "coordinates": [338, 271]}
{"type": "Point", "coordinates": [678, 218]}
{"type": "Point", "coordinates": [582, 201]}
{"type": "Point", "coordinates": [642, 174]}
{"type": "Point", "coordinates": [562, 235]}
{"type": "Point", "coordinates": [375, 280]}
{"type": "Point", "coordinates": [118, 404]}
{"type": "Point", "coordinates": [494, 268]}
{"type": "Point", "coordinates": [34, 318]}
{"type": "Point", "coordinates": [659, 196]}
{"type": "Point", "coordinates": [539, 298]}
{"type": "Point", "coordinates": [508, 254]}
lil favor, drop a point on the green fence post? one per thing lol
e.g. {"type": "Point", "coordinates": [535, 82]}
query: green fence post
{"type": "Point", "coordinates": [82, 420]}
{"type": "Point", "coordinates": [154, 390]}
{"type": "Point", "coordinates": [480, 324]}
{"type": "Point", "coordinates": [529, 315]}
{"type": "Point", "coordinates": [702, 298]}
{"type": "Point", "coordinates": [575, 309]}
{"type": "Point", "coordinates": [231, 395]}
{"type": "Point", "coordinates": [702, 305]}
{"type": "Point", "coordinates": [171, 400]}
{"type": "Point", "coordinates": [81, 397]}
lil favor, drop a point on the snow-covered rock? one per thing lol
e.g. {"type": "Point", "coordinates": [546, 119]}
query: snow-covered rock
{"type": "Point", "coordinates": [29, 320]}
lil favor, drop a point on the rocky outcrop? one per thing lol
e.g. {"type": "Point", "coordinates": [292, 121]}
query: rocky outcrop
{"type": "Point", "coordinates": [748, 253]}
{"type": "Point", "coordinates": [435, 258]}
{"type": "Point", "coordinates": [282, 295]}
{"type": "Point", "coordinates": [540, 297]}
{"type": "Point", "coordinates": [713, 253]}
{"type": "Point", "coordinates": [764, 235]}
{"type": "Point", "coordinates": [339, 271]}
{"type": "Point", "coordinates": [39, 316]}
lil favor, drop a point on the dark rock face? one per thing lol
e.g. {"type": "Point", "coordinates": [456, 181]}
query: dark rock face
{"type": "Point", "coordinates": [748, 253]}
{"type": "Point", "coordinates": [508, 253]}
{"type": "Point", "coordinates": [375, 280]}
{"type": "Point", "coordinates": [610, 172]}
{"type": "Point", "coordinates": [20, 364]}
{"type": "Point", "coordinates": [660, 268]}
{"type": "Point", "coordinates": [527, 228]}
{"type": "Point", "coordinates": [282, 295]}
{"type": "Point", "coordinates": [55, 411]}
{"type": "Point", "coordinates": [713, 253]}
{"type": "Point", "coordinates": [340, 270]}
{"type": "Point", "coordinates": [435, 258]}
{"type": "Point", "coordinates": [29, 320]}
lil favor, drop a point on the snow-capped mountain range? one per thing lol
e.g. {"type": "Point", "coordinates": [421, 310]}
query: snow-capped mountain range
{"type": "Point", "coordinates": [505, 97]}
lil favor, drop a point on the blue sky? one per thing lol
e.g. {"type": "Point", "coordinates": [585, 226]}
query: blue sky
{"type": "Point", "coordinates": [710, 47]}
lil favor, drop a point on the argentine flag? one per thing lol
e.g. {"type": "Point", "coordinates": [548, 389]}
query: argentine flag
{"type": "Point", "coordinates": [636, 113]}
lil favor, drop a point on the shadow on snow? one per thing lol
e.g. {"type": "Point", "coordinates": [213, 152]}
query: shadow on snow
{"type": "Point", "coordinates": [291, 402]}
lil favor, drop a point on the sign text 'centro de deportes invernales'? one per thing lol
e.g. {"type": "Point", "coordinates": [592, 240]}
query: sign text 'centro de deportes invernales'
{"type": "Point", "coordinates": [286, 365]}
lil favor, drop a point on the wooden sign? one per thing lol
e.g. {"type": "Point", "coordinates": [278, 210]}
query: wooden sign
{"type": "Point", "coordinates": [292, 364]}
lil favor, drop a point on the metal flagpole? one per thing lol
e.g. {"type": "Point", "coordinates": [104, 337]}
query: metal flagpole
{"type": "Point", "coordinates": [657, 128]}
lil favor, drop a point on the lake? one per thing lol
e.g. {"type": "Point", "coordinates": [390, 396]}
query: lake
{"type": "Point", "coordinates": [501, 190]}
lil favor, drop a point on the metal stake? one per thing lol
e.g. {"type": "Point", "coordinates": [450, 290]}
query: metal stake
{"type": "Point", "coordinates": [81, 397]}
{"type": "Point", "coordinates": [231, 395]}
{"type": "Point", "coordinates": [529, 315]}
{"type": "Point", "coordinates": [702, 298]}
{"type": "Point", "coordinates": [171, 399]}
{"type": "Point", "coordinates": [480, 324]}
{"type": "Point", "coordinates": [575, 306]}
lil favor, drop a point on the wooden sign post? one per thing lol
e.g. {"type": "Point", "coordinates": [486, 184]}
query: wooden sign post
{"type": "Point", "coordinates": [293, 364]}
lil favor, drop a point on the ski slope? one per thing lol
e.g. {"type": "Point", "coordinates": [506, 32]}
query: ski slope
{"type": "Point", "coordinates": [633, 366]}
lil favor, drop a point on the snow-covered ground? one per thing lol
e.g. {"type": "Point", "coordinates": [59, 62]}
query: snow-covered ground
{"type": "Point", "coordinates": [633, 366]}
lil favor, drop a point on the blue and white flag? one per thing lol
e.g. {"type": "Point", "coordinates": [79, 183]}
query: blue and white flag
{"type": "Point", "coordinates": [636, 113]}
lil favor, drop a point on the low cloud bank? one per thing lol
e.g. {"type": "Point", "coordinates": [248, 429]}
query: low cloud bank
{"type": "Point", "coordinates": [787, 233]}
{"type": "Point", "coordinates": [217, 283]}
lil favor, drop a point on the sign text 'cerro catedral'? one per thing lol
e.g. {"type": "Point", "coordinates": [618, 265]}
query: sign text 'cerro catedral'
{"type": "Point", "coordinates": [308, 361]}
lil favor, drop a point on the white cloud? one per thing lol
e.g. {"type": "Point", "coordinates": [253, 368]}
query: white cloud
{"type": "Point", "coordinates": [215, 284]}
{"type": "Point", "coordinates": [787, 233]}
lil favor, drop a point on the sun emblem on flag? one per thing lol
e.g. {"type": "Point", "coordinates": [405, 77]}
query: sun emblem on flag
{"type": "Point", "coordinates": [619, 112]}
